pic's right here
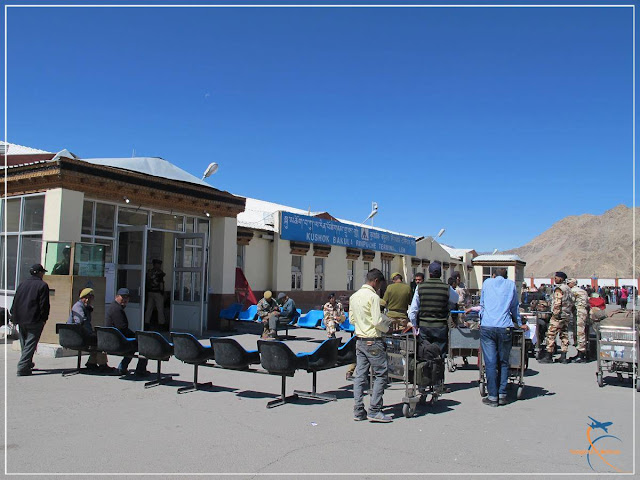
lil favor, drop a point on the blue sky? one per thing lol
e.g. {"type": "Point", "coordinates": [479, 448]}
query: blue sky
{"type": "Point", "coordinates": [493, 123]}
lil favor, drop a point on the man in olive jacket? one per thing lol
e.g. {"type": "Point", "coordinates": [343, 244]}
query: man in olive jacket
{"type": "Point", "coordinates": [30, 310]}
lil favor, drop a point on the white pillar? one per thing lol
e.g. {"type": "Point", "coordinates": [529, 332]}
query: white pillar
{"type": "Point", "coordinates": [222, 255]}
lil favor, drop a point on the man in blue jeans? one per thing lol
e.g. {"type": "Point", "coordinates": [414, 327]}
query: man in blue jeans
{"type": "Point", "coordinates": [498, 313]}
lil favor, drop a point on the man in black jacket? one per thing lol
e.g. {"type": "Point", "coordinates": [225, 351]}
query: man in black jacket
{"type": "Point", "coordinates": [30, 310]}
{"type": "Point", "coordinates": [115, 317]}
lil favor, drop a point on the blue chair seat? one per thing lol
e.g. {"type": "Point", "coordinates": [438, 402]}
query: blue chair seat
{"type": "Point", "coordinates": [231, 311]}
{"type": "Point", "coordinates": [311, 319]}
{"type": "Point", "coordinates": [248, 315]}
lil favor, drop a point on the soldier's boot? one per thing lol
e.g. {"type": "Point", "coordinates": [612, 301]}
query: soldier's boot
{"type": "Point", "coordinates": [580, 358]}
{"type": "Point", "coordinates": [546, 357]}
{"type": "Point", "coordinates": [563, 358]}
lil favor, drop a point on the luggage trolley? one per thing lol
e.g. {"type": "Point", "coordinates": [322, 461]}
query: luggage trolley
{"type": "Point", "coordinates": [401, 349]}
{"type": "Point", "coordinates": [517, 363]}
{"type": "Point", "coordinates": [463, 342]}
{"type": "Point", "coordinates": [617, 352]}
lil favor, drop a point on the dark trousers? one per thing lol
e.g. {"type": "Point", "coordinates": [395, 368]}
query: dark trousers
{"type": "Point", "coordinates": [369, 354]}
{"type": "Point", "coordinates": [140, 368]}
{"type": "Point", "coordinates": [438, 336]}
{"type": "Point", "coordinates": [29, 338]}
{"type": "Point", "coordinates": [496, 348]}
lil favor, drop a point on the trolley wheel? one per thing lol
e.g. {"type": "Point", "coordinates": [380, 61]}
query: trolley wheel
{"type": "Point", "coordinates": [408, 411]}
{"type": "Point", "coordinates": [600, 380]}
{"type": "Point", "coordinates": [638, 384]}
{"type": "Point", "coordinates": [451, 366]}
{"type": "Point", "coordinates": [433, 399]}
{"type": "Point", "coordinates": [620, 378]}
{"type": "Point", "coordinates": [519, 392]}
{"type": "Point", "coordinates": [423, 399]}
{"type": "Point", "coordinates": [483, 389]}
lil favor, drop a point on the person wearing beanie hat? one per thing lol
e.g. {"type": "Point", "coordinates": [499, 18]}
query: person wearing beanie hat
{"type": "Point", "coordinates": [561, 313]}
{"type": "Point", "coordinates": [268, 313]}
{"type": "Point", "coordinates": [30, 310]}
{"type": "Point", "coordinates": [398, 297]}
{"type": "Point", "coordinates": [81, 314]}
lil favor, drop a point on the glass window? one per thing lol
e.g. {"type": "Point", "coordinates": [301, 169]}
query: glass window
{"type": "Point", "coordinates": [167, 221]}
{"type": "Point", "coordinates": [30, 254]}
{"type": "Point", "coordinates": [33, 214]}
{"type": "Point", "coordinates": [367, 267]}
{"type": "Point", "coordinates": [11, 256]}
{"type": "Point", "coordinates": [203, 226]}
{"type": "Point", "coordinates": [132, 216]}
{"type": "Point", "coordinates": [13, 215]}
{"type": "Point", "coordinates": [240, 257]}
{"type": "Point", "coordinates": [57, 258]}
{"type": "Point", "coordinates": [350, 271]}
{"type": "Point", "coordinates": [386, 269]}
{"type": "Point", "coordinates": [88, 260]}
{"type": "Point", "coordinates": [319, 274]}
{"type": "Point", "coordinates": [296, 272]}
{"type": "Point", "coordinates": [87, 218]}
{"type": "Point", "coordinates": [105, 216]}
{"type": "Point", "coordinates": [189, 224]}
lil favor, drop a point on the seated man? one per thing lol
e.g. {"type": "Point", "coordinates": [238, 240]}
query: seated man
{"type": "Point", "coordinates": [81, 314]}
{"type": "Point", "coordinates": [288, 311]}
{"type": "Point", "coordinates": [268, 313]}
{"type": "Point", "coordinates": [115, 317]}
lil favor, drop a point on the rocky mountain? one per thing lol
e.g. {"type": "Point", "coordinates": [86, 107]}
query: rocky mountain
{"type": "Point", "coordinates": [584, 245]}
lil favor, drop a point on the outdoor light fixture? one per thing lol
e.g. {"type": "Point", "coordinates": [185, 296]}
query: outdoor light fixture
{"type": "Point", "coordinates": [207, 213]}
{"type": "Point", "coordinates": [126, 199]}
{"type": "Point", "coordinates": [437, 236]}
{"type": "Point", "coordinates": [211, 169]}
{"type": "Point", "coordinates": [374, 212]}
{"type": "Point", "coordinates": [495, 250]}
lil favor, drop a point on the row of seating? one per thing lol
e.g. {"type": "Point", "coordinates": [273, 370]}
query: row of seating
{"type": "Point", "coordinates": [276, 358]}
{"type": "Point", "coordinates": [311, 319]}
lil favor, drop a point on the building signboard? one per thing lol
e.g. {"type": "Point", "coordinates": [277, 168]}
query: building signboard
{"type": "Point", "coordinates": [303, 228]}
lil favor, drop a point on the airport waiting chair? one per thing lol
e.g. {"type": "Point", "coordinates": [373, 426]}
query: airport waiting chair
{"type": "Point", "coordinates": [74, 336]}
{"type": "Point", "coordinates": [346, 326]}
{"type": "Point", "coordinates": [230, 354]}
{"type": "Point", "coordinates": [278, 359]}
{"type": "Point", "coordinates": [311, 319]}
{"type": "Point", "coordinates": [112, 342]}
{"type": "Point", "coordinates": [322, 358]}
{"type": "Point", "coordinates": [347, 352]}
{"type": "Point", "coordinates": [248, 315]}
{"type": "Point", "coordinates": [231, 312]}
{"type": "Point", "coordinates": [154, 346]}
{"type": "Point", "coordinates": [188, 349]}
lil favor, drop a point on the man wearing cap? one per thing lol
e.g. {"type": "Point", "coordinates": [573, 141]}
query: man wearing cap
{"type": "Point", "coordinates": [333, 314]}
{"type": "Point", "coordinates": [155, 292]}
{"type": "Point", "coordinates": [116, 317]}
{"type": "Point", "coordinates": [268, 313]}
{"type": "Point", "coordinates": [30, 310]}
{"type": "Point", "coordinates": [430, 308]}
{"type": "Point", "coordinates": [398, 297]}
{"type": "Point", "coordinates": [560, 317]}
{"type": "Point", "coordinates": [81, 314]}
{"type": "Point", "coordinates": [370, 324]}
{"type": "Point", "coordinates": [288, 312]}
{"type": "Point", "coordinates": [580, 301]}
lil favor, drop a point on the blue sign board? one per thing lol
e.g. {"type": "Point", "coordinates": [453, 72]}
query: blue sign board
{"type": "Point", "coordinates": [316, 230]}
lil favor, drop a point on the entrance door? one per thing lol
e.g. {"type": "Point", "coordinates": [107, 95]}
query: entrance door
{"type": "Point", "coordinates": [131, 271]}
{"type": "Point", "coordinates": [187, 307]}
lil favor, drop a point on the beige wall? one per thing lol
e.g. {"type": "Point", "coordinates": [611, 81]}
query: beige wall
{"type": "Point", "coordinates": [258, 261]}
{"type": "Point", "coordinates": [222, 255]}
{"type": "Point", "coordinates": [62, 216]}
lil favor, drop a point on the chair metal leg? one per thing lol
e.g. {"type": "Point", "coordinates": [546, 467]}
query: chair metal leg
{"type": "Point", "coordinates": [283, 396]}
{"type": "Point", "coordinates": [159, 378]}
{"type": "Point", "coordinates": [196, 385]}
{"type": "Point", "coordinates": [68, 373]}
{"type": "Point", "coordinates": [314, 394]}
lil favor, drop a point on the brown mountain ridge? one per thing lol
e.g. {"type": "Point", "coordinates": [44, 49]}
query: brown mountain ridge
{"type": "Point", "coordinates": [584, 245]}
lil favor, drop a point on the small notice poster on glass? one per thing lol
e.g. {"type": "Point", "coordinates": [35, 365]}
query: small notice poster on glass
{"type": "Point", "coordinates": [89, 260]}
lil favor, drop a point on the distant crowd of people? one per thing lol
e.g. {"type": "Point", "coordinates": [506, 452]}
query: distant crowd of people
{"type": "Point", "coordinates": [612, 295]}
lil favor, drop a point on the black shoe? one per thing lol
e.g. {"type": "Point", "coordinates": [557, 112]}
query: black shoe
{"type": "Point", "coordinates": [563, 358]}
{"type": "Point", "coordinates": [91, 366]}
{"type": "Point", "coordinates": [123, 371]}
{"type": "Point", "coordinates": [502, 401]}
{"type": "Point", "coordinates": [491, 403]}
{"type": "Point", "coordinates": [24, 373]}
{"type": "Point", "coordinates": [580, 358]}
{"type": "Point", "coordinates": [546, 357]}
{"type": "Point", "coordinates": [360, 416]}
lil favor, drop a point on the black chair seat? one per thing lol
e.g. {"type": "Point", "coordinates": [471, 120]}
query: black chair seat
{"type": "Point", "coordinates": [347, 352]}
{"type": "Point", "coordinates": [278, 359]}
{"type": "Point", "coordinates": [154, 346]}
{"type": "Point", "coordinates": [322, 358]}
{"type": "Point", "coordinates": [188, 349]}
{"type": "Point", "coordinates": [230, 354]}
{"type": "Point", "coordinates": [113, 342]}
{"type": "Point", "coordinates": [75, 337]}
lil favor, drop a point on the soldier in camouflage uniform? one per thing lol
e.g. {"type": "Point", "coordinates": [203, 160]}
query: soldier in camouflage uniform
{"type": "Point", "coordinates": [333, 314]}
{"type": "Point", "coordinates": [580, 300]}
{"type": "Point", "coordinates": [267, 307]}
{"type": "Point", "coordinates": [561, 311]}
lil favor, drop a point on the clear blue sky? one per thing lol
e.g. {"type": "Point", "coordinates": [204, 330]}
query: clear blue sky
{"type": "Point", "coordinates": [491, 122]}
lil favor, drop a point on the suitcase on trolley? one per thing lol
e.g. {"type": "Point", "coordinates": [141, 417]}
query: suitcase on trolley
{"type": "Point", "coordinates": [430, 372]}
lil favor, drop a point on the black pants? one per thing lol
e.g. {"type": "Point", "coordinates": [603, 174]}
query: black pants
{"type": "Point", "coordinates": [29, 338]}
{"type": "Point", "coordinates": [438, 336]}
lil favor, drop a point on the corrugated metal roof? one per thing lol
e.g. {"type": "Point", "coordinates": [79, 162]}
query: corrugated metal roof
{"type": "Point", "coordinates": [15, 149]}
{"type": "Point", "coordinates": [456, 252]}
{"type": "Point", "coordinates": [497, 258]}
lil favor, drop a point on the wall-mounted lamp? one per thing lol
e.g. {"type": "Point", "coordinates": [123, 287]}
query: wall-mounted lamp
{"type": "Point", "coordinates": [211, 169]}
{"type": "Point", "coordinates": [207, 213]}
{"type": "Point", "coordinates": [495, 250]}
{"type": "Point", "coordinates": [126, 199]}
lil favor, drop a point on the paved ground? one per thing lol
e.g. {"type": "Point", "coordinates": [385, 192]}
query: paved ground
{"type": "Point", "coordinates": [109, 424]}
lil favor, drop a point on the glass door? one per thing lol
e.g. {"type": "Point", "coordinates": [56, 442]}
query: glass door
{"type": "Point", "coordinates": [131, 271]}
{"type": "Point", "coordinates": [189, 275]}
